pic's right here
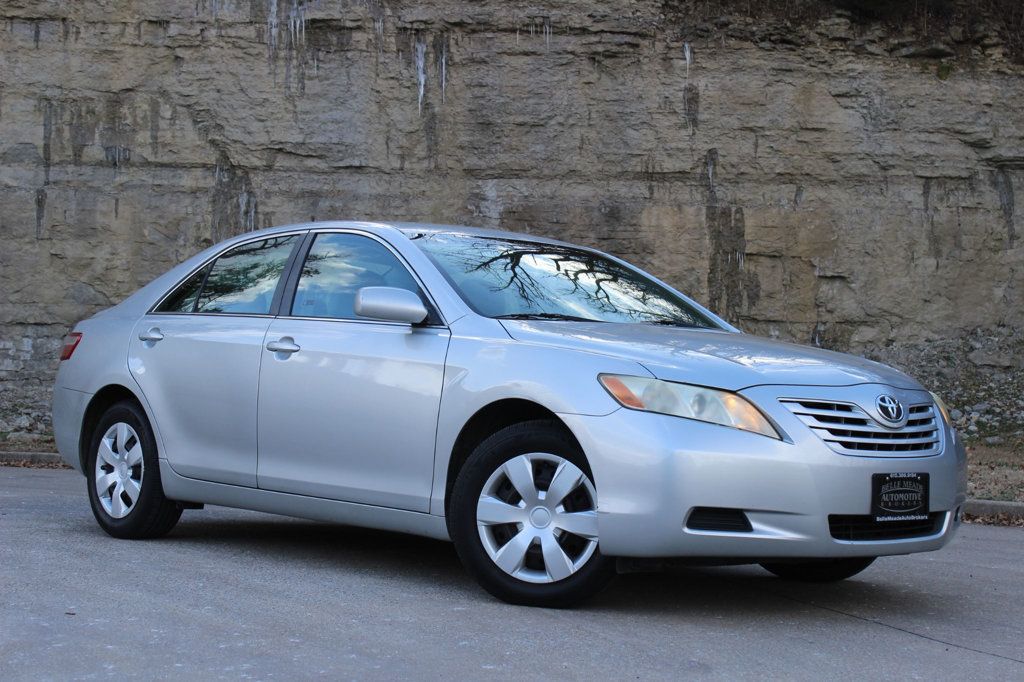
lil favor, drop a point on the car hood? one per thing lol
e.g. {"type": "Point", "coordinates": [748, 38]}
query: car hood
{"type": "Point", "coordinates": [722, 359]}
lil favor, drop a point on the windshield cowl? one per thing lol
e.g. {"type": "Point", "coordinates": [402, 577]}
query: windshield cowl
{"type": "Point", "coordinates": [545, 316]}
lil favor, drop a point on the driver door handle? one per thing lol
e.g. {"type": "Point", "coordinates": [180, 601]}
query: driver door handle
{"type": "Point", "coordinates": [152, 334]}
{"type": "Point", "coordinates": [283, 345]}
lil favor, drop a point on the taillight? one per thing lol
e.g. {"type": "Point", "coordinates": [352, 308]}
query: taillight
{"type": "Point", "coordinates": [71, 342]}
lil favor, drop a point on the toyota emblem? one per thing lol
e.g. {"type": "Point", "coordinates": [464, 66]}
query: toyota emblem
{"type": "Point", "coordinates": [890, 408]}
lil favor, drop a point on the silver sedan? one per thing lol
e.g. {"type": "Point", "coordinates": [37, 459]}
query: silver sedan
{"type": "Point", "coordinates": [549, 408]}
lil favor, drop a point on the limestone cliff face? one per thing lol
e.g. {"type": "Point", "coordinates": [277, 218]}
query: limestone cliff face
{"type": "Point", "coordinates": [835, 183]}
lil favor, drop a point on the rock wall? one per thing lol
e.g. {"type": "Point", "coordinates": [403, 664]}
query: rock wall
{"type": "Point", "coordinates": [838, 182]}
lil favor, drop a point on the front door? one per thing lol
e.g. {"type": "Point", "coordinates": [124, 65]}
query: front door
{"type": "Point", "coordinates": [197, 358]}
{"type": "Point", "coordinates": [348, 409]}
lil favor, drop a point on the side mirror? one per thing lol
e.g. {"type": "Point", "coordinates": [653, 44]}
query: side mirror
{"type": "Point", "coordinates": [391, 304]}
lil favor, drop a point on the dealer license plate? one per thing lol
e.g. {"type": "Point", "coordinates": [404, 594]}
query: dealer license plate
{"type": "Point", "coordinates": [899, 497]}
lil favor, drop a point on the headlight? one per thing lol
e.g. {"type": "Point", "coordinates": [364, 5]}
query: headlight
{"type": "Point", "coordinates": [943, 409]}
{"type": "Point", "coordinates": [691, 402]}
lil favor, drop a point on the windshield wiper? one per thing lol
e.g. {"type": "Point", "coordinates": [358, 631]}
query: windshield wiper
{"type": "Point", "coordinates": [670, 322]}
{"type": "Point", "coordinates": [544, 316]}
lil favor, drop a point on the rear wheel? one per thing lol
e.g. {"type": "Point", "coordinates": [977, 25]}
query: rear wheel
{"type": "Point", "coordinates": [823, 571]}
{"type": "Point", "coordinates": [524, 517]}
{"type": "Point", "coordinates": [123, 474]}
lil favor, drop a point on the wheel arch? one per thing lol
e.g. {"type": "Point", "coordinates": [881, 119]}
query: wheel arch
{"type": "Point", "coordinates": [111, 394]}
{"type": "Point", "coordinates": [487, 421]}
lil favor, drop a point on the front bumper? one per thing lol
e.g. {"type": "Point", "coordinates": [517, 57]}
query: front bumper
{"type": "Point", "coordinates": [651, 470]}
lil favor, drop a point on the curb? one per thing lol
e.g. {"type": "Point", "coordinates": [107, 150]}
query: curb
{"type": "Point", "coordinates": [30, 458]}
{"type": "Point", "coordinates": [1012, 510]}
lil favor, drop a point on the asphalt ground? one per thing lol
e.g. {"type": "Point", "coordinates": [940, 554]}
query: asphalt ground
{"type": "Point", "coordinates": [232, 594]}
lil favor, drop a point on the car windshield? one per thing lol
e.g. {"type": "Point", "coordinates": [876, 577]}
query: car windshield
{"type": "Point", "coordinates": [518, 279]}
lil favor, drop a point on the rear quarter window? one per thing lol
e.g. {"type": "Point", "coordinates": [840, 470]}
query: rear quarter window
{"type": "Point", "coordinates": [183, 299]}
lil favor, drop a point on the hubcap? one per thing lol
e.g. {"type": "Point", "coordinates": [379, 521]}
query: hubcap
{"type": "Point", "coordinates": [537, 518]}
{"type": "Point", "coordinates": [119, 469]}
{"type": "Point", "coordinates": [540, 517]}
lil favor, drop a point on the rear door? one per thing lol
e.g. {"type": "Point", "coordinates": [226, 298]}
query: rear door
{"type": "Point", "coordinates": [349, 412]}
{"type": "Point", "coordinates": [197, 356]}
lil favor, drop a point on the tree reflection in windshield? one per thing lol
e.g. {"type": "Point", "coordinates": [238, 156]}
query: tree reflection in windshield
{"type": "Point", "coordinates": [524, 279]}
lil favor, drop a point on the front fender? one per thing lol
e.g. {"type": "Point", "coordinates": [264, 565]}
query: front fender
{"type": "Point", "coordinates": [482, 369]}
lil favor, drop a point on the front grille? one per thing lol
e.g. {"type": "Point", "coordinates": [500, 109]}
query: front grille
{"type": "Point", "coordinates": [720, 519]}
{"type": "Point", "coordinates": [849, 430]}
{"type": "Point", "coordinates": [864, 528]}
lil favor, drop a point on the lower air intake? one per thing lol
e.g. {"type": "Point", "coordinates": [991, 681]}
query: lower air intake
{"type": "Point", "coordinates": [864, 528]}
{"type": "Point", "coordinates": [718, 518]}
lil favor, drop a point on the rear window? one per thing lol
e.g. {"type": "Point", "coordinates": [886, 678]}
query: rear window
{"type": "Point", "coordinates": [241, 281]}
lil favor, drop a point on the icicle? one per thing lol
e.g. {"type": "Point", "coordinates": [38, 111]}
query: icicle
{"type": "Point", "coordinates": [491, 206]}
{"type": "Point", "coordinates": [272, 23]}
{"type": "Point", "coordinates": [444, 68]}
{"type": "Point", "coordinates": [421, 68]}
{"type": "Point", "coordinates": [297, 20]}
{"type": "Point", "coordinates": [688, 56]}
{"type": "Point", "coordinates": [297, 23]}
{"type": "Point", "coordinates": [547, 31]}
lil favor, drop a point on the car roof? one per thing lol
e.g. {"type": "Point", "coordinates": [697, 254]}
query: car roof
{"type": "Point", "coordinates": [433, 228]}
{"type": "Point", "coordinates": [409, 229]}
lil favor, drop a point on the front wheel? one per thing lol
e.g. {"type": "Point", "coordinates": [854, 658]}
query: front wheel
{"type": "Point", "coordinates": [524, 518]}
{"type": "Point", "coordinates": [123, 473]}
{"type": "Point", "coordinates": [823, 571]}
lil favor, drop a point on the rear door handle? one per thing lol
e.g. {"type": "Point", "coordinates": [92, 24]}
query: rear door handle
{"type": "Point", "coordinates": [284, 345]}
{"type": "Point", "coordinates": [152, 334]}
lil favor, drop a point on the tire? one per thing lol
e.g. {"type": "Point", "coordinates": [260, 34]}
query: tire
{"type": "Point", "coordinates": [114, 455]}
{"type": "Point", "coordinates": [546, 564]}
{"type": "Point", "coordinates": [824, 571]}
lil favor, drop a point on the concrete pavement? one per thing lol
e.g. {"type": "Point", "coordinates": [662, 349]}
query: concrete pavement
{"type": "Point", "coordinates": [233, 594]}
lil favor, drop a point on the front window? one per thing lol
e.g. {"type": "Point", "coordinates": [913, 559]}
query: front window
{"type": "Point", "coordinates": [507, 278]}
{"type": "Point", "coordinates": [337, 267]}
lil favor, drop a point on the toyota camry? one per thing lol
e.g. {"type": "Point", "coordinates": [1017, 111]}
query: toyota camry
{"type": "Point", "coordinates": [550, 409]}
